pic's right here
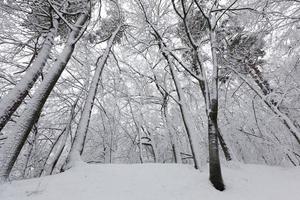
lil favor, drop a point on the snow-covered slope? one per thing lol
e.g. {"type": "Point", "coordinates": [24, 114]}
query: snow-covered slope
{"type": "Point", "coordinates": [157, 182]}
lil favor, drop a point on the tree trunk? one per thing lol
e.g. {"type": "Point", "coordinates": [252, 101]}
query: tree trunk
{"type": "Point", "coordinates": [44, 168]}
{"type": "Point", "coordinates": [215, 174]}
{"type": "Point", "coordinates": [59, 144]}
{"type": "Point", "coordinates": [31, 144]}
{"type": "Point", "coordinates": [153, 149]}
{"type": "Point", "coordinates": [285, 118]}
{"type": "Point", "coordinates": [291, 125]}
{"type": "Point", "coordinates": [15, 142]}
{"type": "Point", "coordinates": [173, 140]}
{"type": "Point", "coordinates": [197, 66]}
{"type": "Point", "coordinates": [77, 148]}
{"type": "Point", "coordinates": [10, 102]}
{"type": "Point", "coordinates": [224, 146]}
{"type": "Point", "coordinates": [187, 120]}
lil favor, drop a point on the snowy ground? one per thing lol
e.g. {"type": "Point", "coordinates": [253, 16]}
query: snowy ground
{"type": "Point", "coordinates": [158, 182]}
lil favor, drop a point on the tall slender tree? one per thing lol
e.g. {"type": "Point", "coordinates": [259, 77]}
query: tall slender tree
{"type": "Point", "coordinates": [82, 129]}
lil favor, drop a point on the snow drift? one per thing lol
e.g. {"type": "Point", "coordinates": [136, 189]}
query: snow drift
{"type": "Point", "coordinates": [157, 182]}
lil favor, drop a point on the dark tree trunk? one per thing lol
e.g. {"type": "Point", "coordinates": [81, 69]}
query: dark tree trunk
{"type": "Point", "coordinates": [215, 174]}
{"type": "Point", "coordinates": [224, 146]}
{"type": "Point", "coordinates": [196, 65]}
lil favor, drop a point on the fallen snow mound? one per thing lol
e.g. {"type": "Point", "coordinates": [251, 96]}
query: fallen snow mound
{"type": "Point", "coordinates": [157, 182]}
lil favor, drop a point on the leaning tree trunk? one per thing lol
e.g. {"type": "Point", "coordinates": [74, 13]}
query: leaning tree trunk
{"type": "Point", "coordinates": [76, 150]}
{"type": "Point", "coordinates": [14, 98]}
{"type": "Point", "coordinates": [291, 125]}
{"type": "Point", "coordinates": [264, 86]}
{"type": "Point", "coordinates": [191, 130]}
{"type": "Point", "coordinates": [224, 146]}
{"type": "Point", "coordinates": [215, 174]}
{"type": "Point", "coordinates": [13, 145]}
{"type": "Point", "coordinates": [58, 141]}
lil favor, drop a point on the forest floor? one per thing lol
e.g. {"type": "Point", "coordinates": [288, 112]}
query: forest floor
{"type": "Point", "coordinates": [158, 182]}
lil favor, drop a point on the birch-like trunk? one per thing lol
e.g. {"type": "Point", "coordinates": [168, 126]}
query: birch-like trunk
{"type": "Point", "coordinates": [10, 102]}
{"type": "Point", "coordinates": [13, 145]}
{"type": "Point", "coordinates": [76, 150]}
